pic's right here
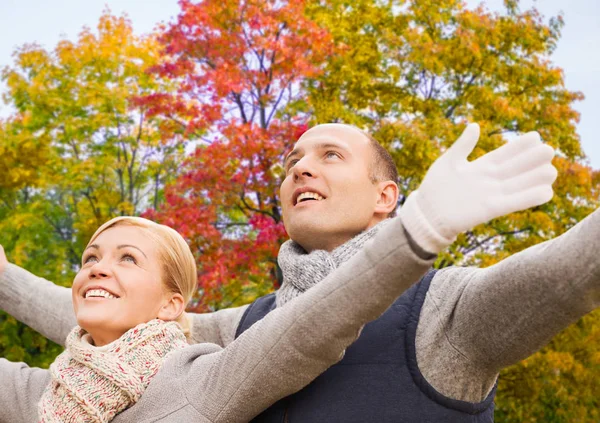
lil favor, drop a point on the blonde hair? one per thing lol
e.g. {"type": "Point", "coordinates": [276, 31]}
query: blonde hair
{"type": "Point", "coordinates": [178, 264]}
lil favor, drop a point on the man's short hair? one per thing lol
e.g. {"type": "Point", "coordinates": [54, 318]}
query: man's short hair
{"type": "Point", "coordinates": [382, 167]}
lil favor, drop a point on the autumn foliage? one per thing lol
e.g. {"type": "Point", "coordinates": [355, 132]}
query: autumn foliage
{"type": "Point", "coordinates": [239, 65]}
{"type": "Point", "coordinates": [189, 125]}
{"type": "Point", "coordinates": [76, 152]}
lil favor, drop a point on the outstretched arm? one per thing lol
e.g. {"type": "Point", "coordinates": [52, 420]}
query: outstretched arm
{"type": "Point", "coordinates": [48, 308]}
{"type": "Point", "coordinates": [478, 321]}
{"type": "Point", "coordinates": [22, 388]}
{"type": "Point", "coordinates": [38, 303]}
{"type": "Point", "coordinates": [295, 343]}
{"type": "Point", "coordinates": [458, 323]}
{"type": "Point", "coordinates": [218, 327]}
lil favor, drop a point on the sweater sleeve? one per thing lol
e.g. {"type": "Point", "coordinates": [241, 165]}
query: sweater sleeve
{"type": "Point", "coordinates": [216, 328]}
{"type": "Point", "coordinates": [38, 303]}
{"type": "Point", "coordinates": [48, 309]}
{"type": "Point", "coordinates": [478, 321]}
{"type": "Point", "coordinates": [22, 388]}
{"type": "Point", "coordinates": [295, 343]}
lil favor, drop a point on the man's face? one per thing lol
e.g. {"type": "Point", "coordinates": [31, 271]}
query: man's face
{"type": "Point", "coordinates": [327, 196]}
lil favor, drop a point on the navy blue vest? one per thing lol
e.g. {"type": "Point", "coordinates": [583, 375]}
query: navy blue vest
{"type": "Point", "coordinates": [377, 380]}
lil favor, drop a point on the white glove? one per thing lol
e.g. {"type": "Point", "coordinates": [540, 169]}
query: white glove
{"type": "Point", "coordinates": [457, 195]}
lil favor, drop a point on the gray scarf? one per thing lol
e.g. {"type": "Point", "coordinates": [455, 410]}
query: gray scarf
{"type": "Point", "coordinates": [301, 270]}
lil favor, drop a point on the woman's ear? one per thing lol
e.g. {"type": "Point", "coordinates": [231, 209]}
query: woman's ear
{"type": "Point", "coordinates": [172, 308]}
{"type": "Point", "coordinates": [388, 197]}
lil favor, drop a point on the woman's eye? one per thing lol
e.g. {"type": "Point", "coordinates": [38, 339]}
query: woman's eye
{"type": "Point", "coordinates": [89, 259]}
{"type": "Point", "coordinates": [129, 258]}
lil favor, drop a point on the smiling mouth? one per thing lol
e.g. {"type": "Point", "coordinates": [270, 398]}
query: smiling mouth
{"type": "Point", "coordinates": [308, 196]}
{"type": "Point", "coordinates": [99, 293]}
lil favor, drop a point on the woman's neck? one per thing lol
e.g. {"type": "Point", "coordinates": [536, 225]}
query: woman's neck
{"type": "Point", "coordinates": [99, 338]}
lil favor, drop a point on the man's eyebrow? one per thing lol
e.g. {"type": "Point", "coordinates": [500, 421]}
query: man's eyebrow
{"type": "Point", "coordinates": [325, 145]}
{"type": "Point", "coordinates": [321, 146]}
{"type": "Point", "coordinates": [97, 247]}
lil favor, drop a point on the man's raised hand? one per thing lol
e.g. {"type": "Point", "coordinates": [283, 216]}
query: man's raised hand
{"type": "Point", "coordinates": [457, 195]}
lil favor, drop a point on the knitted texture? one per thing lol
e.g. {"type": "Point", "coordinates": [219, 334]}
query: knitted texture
{"type": "Point", "coordinates": [91, 384]}
{"type": "Point", "coordinates": [302, 270]}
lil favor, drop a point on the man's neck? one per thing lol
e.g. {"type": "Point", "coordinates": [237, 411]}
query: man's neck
{"type": "Point", "coordinates": [332, 241]}
{"type": "Point", "coordinates": [328, 245]}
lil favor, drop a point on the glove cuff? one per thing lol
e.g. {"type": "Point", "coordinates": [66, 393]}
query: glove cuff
{"type": "Point", "coordinates": [419, 228]}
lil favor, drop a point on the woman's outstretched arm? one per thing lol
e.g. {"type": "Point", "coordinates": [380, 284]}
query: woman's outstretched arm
{"type": "Point", "coordinates": [47, 308]}
{"type": "Point", "coordinates": [22, 388]}
{"type": "Point", "coordinates": [38, 303]}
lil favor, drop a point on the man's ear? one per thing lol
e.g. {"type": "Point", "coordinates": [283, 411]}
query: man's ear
{"type": "Point", "coordinates": [172, 307]}
{"type": "Point", "coordinates": [388, 197]}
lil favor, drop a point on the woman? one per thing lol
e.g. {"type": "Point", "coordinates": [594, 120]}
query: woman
{"type": "Point", "coordinates": [128, 359]}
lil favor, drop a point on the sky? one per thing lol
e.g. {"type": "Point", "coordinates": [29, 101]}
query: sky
{"type": "Point", "coordinates": [578, 53]}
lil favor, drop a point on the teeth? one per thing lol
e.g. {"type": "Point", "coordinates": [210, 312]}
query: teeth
{"type": "Point", "coordinates": [99, 293]}
{"type": "Point", "coordinates": [309, 194]}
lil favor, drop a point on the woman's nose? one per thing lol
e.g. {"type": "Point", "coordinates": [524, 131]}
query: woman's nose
{"type": "Point", "coordinates": [99, 271]}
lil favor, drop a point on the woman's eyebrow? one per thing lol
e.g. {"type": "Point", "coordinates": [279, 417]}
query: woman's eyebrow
{"type": "Point", "coordinates": [97, 247]}
{"type": "Point", "coordinates": [132, 246]}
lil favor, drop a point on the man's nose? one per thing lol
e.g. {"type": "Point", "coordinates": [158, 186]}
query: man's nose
{"type": "Point", "coordinates": [304, 168]}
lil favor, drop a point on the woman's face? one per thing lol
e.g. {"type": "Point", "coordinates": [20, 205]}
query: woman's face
{"type": "Point", "coordinates": [119, 285]}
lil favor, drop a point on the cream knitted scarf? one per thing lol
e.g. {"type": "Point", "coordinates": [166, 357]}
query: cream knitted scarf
{"type": "Point", "coordinates": [93, 384]}
{"type": "Point", "coordinates": [301, 270]}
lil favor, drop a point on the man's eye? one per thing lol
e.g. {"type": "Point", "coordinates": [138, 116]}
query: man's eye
{"type": "Point", "coordinates": [291, 164]}
{"type": "Point", "coordinates": [332, 154]}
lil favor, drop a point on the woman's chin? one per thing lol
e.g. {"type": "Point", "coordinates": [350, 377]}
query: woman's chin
{"type": "Point", "coordinates": [91, 322]}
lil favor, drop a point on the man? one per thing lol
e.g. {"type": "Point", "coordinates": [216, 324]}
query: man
{"type": "Point", "coordinates": [433, 356]}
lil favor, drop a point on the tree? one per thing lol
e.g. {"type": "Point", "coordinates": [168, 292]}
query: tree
{"type": "Point", "coordinates": [242, 79]}
{"type": "Point", "coordinates": [412, 73]}
{"type": "Point", "coordinates": [238, 64]}
{"type": "Point", "coordinates": [78, 151]}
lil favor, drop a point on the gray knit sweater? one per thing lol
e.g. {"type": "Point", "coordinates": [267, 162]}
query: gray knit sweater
{"type": "Point", "coordinates": [207, 383]}
{"type": "Point", "coordinates": [473, 323]}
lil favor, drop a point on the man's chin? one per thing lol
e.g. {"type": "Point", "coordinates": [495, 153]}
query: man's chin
{"type": "Point", "coordinates": [303, 228]}
{"type": "Point", "coordinates": [311, 235]}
